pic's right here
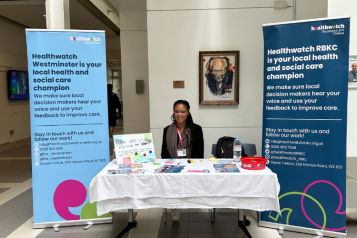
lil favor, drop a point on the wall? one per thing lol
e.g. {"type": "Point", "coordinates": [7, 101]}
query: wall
{"type": "Point", "coordinates": [178, 30]}
{"type": "Point", "coordinates": [343, 8]}
{"type": "Point", "coordinates": [109, 76]}
{"type": "Point", "coordinates": [134, 64]}
{"type": "Point", "coordinates": [14, 115]}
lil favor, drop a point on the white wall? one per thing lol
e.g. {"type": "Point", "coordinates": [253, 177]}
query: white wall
{"type": "Point", "coordinates": [134, 64]}
{"type": "Point", "coordinates": [14, 115]}
{"type": "Point", "coordinates": [177, 33]}
{"type": "Point", "coordinates": [343, 8]}
{"type": "Point", "coordinates": [109, 76]}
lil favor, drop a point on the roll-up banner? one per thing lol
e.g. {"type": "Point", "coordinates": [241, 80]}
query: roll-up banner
{"type": "Point", "coordinates": [69, 123]}
{"type": "Point", "coordinates": [305, 123]}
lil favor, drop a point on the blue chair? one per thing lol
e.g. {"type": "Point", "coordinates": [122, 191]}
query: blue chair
{"type": "Point", "coordinates": [249, 149]}
{"type": "Point", "coordinates": [213, 152]}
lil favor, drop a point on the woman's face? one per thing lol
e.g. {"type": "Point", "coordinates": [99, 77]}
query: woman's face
{"type": "Point", "coordinates": [180, 113]}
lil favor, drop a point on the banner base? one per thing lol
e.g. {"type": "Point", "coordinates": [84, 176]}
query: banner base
{"type": "Point", "coordinates": [301, 229]}
{"type": "Point", "coordinates": [72, 223]}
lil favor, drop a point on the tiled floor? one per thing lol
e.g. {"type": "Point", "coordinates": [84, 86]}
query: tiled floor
{"type": "Point", "coordinates": [16, 211]}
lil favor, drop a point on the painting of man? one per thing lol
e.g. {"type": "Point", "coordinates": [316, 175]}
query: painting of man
{"type": "Point", "coordinates": [352, 74]}
{"type": "Point", "coordinates": [352, 71]}
{"type": "Point", "coordinates": [219, 77]}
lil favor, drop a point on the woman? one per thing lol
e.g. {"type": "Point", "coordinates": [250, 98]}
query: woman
{"type": "Point", "coordinates": [183, 138]}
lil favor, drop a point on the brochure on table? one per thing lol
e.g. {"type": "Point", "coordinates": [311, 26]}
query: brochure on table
{"type": "Point", "coordinates": [138, 148]}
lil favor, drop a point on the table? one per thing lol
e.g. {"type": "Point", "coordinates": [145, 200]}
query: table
{"type": "Point", "coordinates": [254, 190]}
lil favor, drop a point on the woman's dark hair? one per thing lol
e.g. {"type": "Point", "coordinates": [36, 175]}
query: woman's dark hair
{"type": "Point", "coordinates": [189, 120]}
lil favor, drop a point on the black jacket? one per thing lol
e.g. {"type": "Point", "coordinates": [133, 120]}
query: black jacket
{"type": "Point", "coordinates": [197, 146]}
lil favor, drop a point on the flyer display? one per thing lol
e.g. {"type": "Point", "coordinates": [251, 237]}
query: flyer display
{"type": "Point", "coordinates": [136, 148]}
{"type": "Point", "coordinates": [69, 123]}
{"type": "Point", "coordinates": [305, 122]}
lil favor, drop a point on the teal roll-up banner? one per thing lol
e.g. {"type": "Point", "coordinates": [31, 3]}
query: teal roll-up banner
{"type": "Point", "coordinates": [305, 122]}
{"type": "Point", "coordinates": [69, 121]}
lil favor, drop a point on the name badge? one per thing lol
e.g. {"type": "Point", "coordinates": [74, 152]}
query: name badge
{"type": "Point", "coordinates": [181, 152]}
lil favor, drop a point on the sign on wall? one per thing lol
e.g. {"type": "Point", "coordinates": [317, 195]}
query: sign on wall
{"type": "Point", "coordinates": [305, 121]}
{"type": "Point", "coordinates": [69, 121]}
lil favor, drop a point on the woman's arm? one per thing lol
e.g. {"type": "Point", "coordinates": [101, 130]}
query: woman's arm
{"type": "Point", "coordinates": [164, 152]}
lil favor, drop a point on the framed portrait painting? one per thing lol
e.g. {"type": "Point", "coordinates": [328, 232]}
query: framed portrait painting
{"type": "Point", "coordinates": [352, 71]}
{"type": "Point", "coordinates": [219, 77]}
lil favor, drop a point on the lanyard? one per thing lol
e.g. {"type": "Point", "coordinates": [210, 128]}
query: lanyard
{"type": "Point", "coordinates": [179, 134]}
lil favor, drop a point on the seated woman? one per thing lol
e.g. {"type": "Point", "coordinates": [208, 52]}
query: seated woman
{"type": "Point", "coordinates": [182, 139]}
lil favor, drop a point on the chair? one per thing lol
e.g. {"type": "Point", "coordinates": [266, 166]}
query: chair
{"type": "Point", "coordinates": [213, 152]}
{"type": "Point", "coordinates": [249, 149]}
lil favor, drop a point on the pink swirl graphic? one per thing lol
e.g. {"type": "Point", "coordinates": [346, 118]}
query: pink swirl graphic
{"type": "Point", "coordinates": [337, 210]}
{"type": "Point", "coordinates": [69, 193]}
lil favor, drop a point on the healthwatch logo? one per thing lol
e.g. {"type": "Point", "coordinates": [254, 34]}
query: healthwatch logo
{"type": "Point", "coordinates": [81, 38]}
{"type": "Point", "coordinates": [326, 27]}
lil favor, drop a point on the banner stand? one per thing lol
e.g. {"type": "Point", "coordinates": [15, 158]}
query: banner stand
{"type": "Point", "coordinates": [300, 229]}
{"type": "Point", "coordinates": [72, 223]}
{"type": "Point", "coordinates": [69, 123]}
{"type": "Point", "coordinates": [305, 123]}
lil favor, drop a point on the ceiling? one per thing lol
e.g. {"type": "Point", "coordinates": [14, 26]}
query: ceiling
{"type": "Point", "coordinates": [32, 14]}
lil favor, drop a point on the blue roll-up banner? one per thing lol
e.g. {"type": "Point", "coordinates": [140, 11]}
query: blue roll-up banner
{"type": "Point", "coordinates": [305, 123]}
{"type": "Point", "coordinates": [69, 122]}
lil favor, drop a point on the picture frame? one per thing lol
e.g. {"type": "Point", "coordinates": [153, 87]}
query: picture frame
{"type": "Point", "coordinates": [352, 75]}
{"type": "Point", "coordinates": [219, 77]}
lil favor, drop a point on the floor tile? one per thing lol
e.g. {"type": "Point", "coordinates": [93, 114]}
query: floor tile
{"type": "Point", "coordinates": [8, 185]}
{"type": "Point", "coordinates": [228, 227]}
{"type": "Point", "coordinates": [172, 235]}
{"type": "Point", "coordinates": [107, 235]}
{"type": "Point", "coordinates": [183, 216]}
{"type": "Point", "coordinates": [75, 229]}
{"type": "Point", "coordinates": [63, 229]}
{"type": "Point", "coordinates": [149, 216]}
{"type": "Point", "coordinates": [112, 230]}
{"type": "Point", "coordinates": [202, 227]}
{"type": "Point", "coordinates": [85, 234]}
{"type": "Point", "coordinates": [25, 230]}
{"type": "Point", "coordinates": [142, 235]}
{"type": "Point", "coordinates": [15, 191]}
{"type": "Point", "coordinates": [173, 227]}
{"type": "Point", "coordinates": [20, 216]}
{"type": "Point", "coordinates": [203, 235]}
{"type": "Point", "coordinates": [48, 235]}
{"type": "Point", "coordinates": [227, 216]}
{"type": "Point", "coordinates": [146, 227]}
{"type": "Point", "coordinates": [7, 229]}
{"type": "Point", "coordinates": [14, 204]}
{"type": "Point", "coordinates": [3, 190]}
{"type": "Point", "coordinates": [290, 234]}
{"type": "Point", "coordinates": [199, 216]}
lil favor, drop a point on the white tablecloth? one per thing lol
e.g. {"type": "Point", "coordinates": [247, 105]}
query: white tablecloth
{"type": "Point", "coordinates": [255, 190]}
